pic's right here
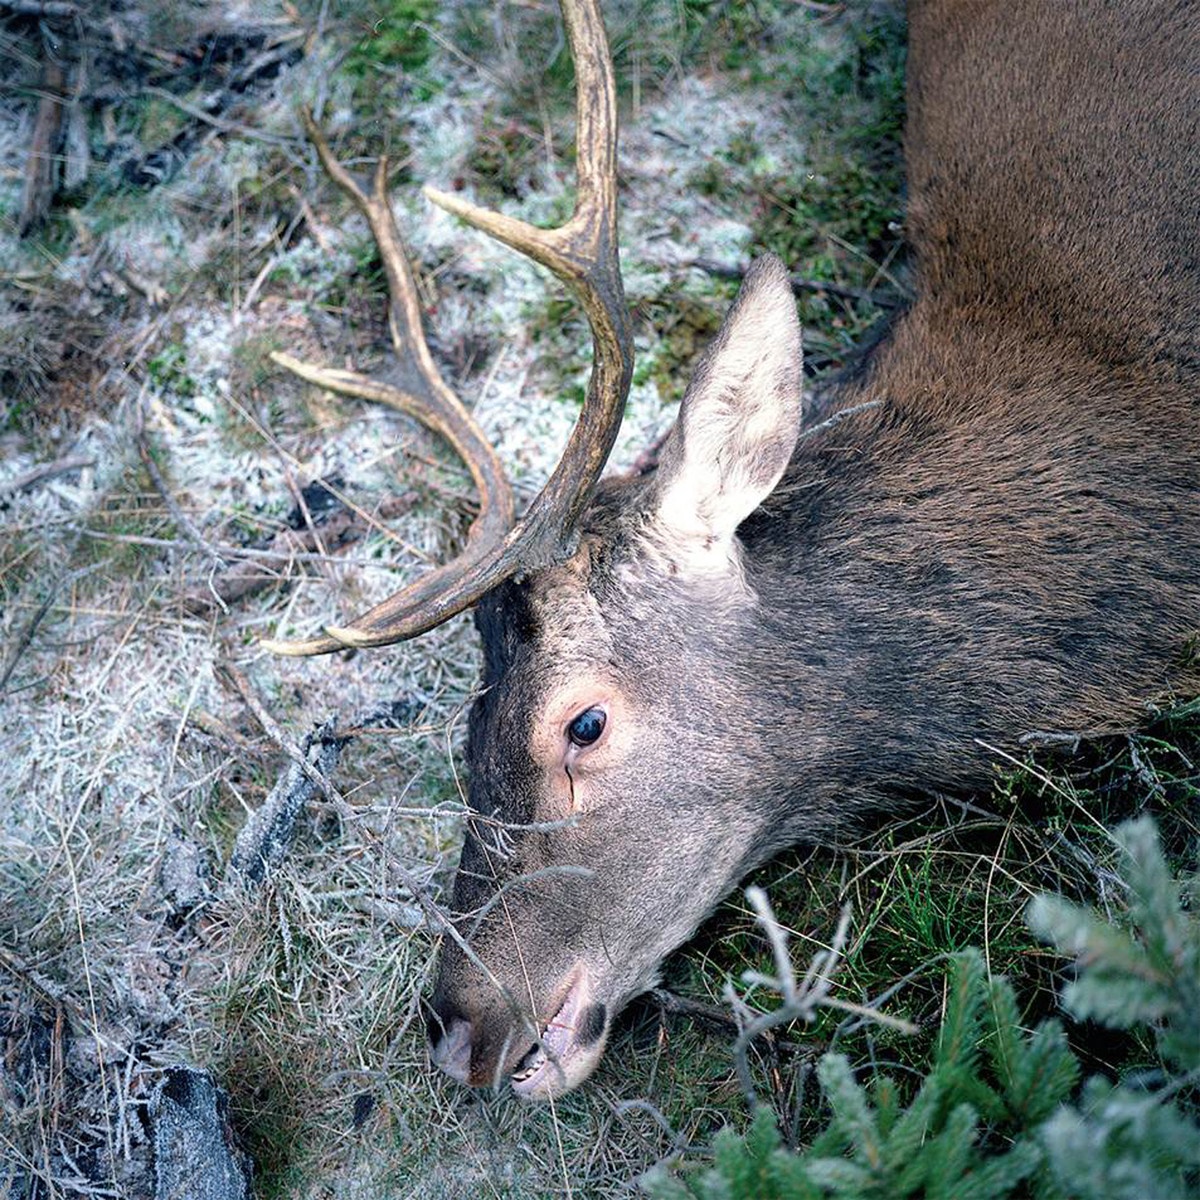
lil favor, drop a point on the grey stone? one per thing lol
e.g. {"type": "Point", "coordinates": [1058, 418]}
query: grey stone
{"type": "Point", "coordinates": [194, 1153]}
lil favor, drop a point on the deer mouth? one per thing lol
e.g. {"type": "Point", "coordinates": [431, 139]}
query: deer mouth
{"type": "Point", "coordinates": [570, 1045]}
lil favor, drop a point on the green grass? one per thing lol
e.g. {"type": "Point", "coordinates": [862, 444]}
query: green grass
{"type": "Point", "coordinates": [999, 1110]}
{"type": "Point", "coordinates": [387, 35]}
{"type": "Point", "coordinates": [683, 326]}
{"type": "Point", "coordinates": [167, 370]}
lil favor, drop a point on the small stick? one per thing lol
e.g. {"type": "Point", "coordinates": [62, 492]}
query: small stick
{"type": "Point", "coordinates": [801, 1000]}
{"type": "Point", "coordinates": [185, 523]}
{"type": "Point", "coordinates": [26, 634]}
{"type": "Point", "coordinates": [801, 284]}
{"type": "Point", "coordinates": [48, 9]}
{"type": "Point", "coordinates": [35, 475]}
{"type": "Point", "coordinates": [681, 1006]}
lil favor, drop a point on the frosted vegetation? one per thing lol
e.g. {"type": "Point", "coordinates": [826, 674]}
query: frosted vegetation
{"type": "Point", "coordinates": [141, 724]}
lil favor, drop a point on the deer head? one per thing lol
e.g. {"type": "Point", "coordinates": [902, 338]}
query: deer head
{"type": "Point", "coordinates": [619, 780]}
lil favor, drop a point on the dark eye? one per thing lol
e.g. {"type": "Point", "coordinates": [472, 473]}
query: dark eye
{"type": "Point", "coordinates": [587, 727]}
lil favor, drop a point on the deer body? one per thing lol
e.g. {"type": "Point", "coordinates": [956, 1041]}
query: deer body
{"type": "Point", "coordinates": [991, 528]}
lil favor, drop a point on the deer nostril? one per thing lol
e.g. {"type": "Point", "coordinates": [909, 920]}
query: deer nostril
{"type": "Point", "coordinates": [591, 1024]}
{"type": "Point", "coordinates": [452, 1050]}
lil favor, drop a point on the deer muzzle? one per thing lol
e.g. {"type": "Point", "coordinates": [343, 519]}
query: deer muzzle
{"type": "Point", "coordinates": [485, 1047]}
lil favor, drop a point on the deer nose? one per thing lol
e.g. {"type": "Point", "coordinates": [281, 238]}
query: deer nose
{"type": "Point", "coordinates": [452, 1050]}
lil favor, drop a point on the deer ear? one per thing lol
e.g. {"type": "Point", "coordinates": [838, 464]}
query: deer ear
{"type": "Point", "coordinates": [739, 419]}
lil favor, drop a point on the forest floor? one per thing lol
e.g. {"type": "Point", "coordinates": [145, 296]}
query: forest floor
{"type": "Point", "coordinates": [169, 497]}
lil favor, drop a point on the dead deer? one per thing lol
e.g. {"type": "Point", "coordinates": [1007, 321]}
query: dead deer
{"type": "Point", "coordinates": [990, 526]}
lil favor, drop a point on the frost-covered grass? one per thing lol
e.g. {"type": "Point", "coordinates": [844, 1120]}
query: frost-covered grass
{"type": "Point", "coordinates": [131, 728]}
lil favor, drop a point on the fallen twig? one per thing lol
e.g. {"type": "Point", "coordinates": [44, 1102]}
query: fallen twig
{"type": "Point", "coordinates": [35, 475]}
{"type": "Point", "coordinates": [184, 523]}
{"type": "Point", "coordinates": [251, 574]}
{"type": "Point", "coordinates": [883, 299]}
{"type": "Point", "coordinates": [218, 123]}
{"type": "Point", "coordinates": [26, 635]}
{"type": "Point", "coordinates": [214, 727]}
{"type": "Point", "coordinates": [263, 842]}
{"type": "Point", "coordinates": [51, 10]}
{"type": "Point", "coordinates": [800, 1000]}
{"type": "Point", "coordinates": [681, 1006]}
{"type": "Point", "coordinates": [267, 836]}
{"type": "Point", "coordinates": [41, 164]}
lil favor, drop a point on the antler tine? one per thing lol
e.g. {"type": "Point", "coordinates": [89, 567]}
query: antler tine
{"type": "Point", "coordinates": [583, 253]}
{"type": "Point", "coordinates": [426, 395]}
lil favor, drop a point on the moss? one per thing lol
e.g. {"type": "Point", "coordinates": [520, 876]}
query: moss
{"type": "Point", "coordinates": [252, 366]}
{"type": "Point", "coordinates": [167, 370]}
{"type": "Point", "coordinates": [391, 34]}
{"type": "Point", "coordinates": [362, 287]}
{"type": "Point", "coordinates": [503, 162]}
{"type": "Point", "coordinates": [388, 47]}
{"type": "Point", "coordinates": [684, 327]}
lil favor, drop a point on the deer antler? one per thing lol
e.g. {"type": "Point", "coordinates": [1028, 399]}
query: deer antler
{"type": "Point", "coordinates": [582, 253]}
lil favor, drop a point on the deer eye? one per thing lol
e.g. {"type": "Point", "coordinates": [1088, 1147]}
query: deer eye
{"type": "Point", "coordinates": [586, 727]}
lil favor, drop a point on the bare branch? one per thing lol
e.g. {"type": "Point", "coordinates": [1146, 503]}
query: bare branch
{"type": "Point", "coordinates": [185, 524]}
{"type": "Point", "coordinates": [800, 1000]}
{"type": "Point", "coordinates": [58, 10]}
{"type": "Point", "coordinates": [25, 637]}
{"type": "Point", "coordinates": [35, 475]}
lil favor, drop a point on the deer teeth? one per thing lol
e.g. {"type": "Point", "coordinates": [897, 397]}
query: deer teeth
{"type": "Point", "coordinates": [533, 1061]}
{"type": "Point", "coordinates": [556, 1040]}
